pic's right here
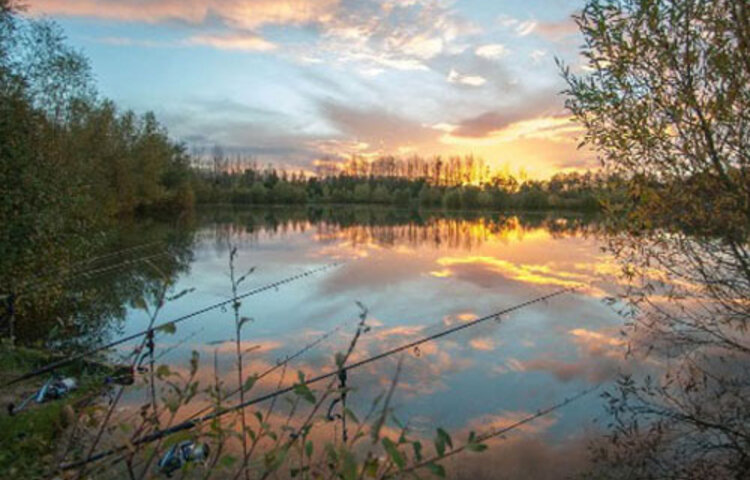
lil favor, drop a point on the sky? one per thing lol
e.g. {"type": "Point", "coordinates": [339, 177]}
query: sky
{"type": "Point", "coordinates": [294, 82]}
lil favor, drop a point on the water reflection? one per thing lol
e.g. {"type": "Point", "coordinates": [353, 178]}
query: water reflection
{"type": "Point", "coordinates": [85, 302]}
{"type": "Point", "coordinates": [416, 274]}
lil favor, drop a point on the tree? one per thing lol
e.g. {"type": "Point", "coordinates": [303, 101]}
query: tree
{"type": "Point", "coordinates": [666, 108]}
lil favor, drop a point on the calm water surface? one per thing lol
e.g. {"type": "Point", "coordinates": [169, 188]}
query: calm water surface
{"type": "Point", "coordinates": [416, 274]}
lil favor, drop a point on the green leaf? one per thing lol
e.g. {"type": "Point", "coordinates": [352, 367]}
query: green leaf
{"type": "Point", "coordinates": [351, 415]}
{"type": "Point", "coordinates": [417, 446]}
{"type": "Point", "coordinates": [371, 467]}
{"type": "Point", "coordinates": [177, 438]}
{"type": "Point", "coordinates": [476, 447]}
{"type": "Point", "coordinates": [394, 453]}
{"type": "Point", "coordinates": [140, 304]}
{"type": "Point", "coordinates": [296, 471]}
{"type": "Point", "coordinates": [180, 295]}
{"type": "Point", "coordinates": [309, 448]}
{"type": "Point", "coordinates": [168, 328]}
{"type": "Point", "coordinates": [163, 371]}
{"type": "Point", "coordinates": [227, 461]}
{"type": "Point", "coordinates": [349, 465]}
{"type": "Point", "coordinates": [445, 437]}
{"type": "Point", "coordinates": [339, 358]}
{"type": "Point", "coordinates": [244, 320]}
{"type": "Point", "coordinates": [436, 469]}
{"type": "Point", "coordinates": [440, 446]}
{"type": "Point", "coordinates": [304, 391]}
{"type": "Point", "coordinates": [249, 382]}
{"type": "Point", "coordinates": [194, 361]}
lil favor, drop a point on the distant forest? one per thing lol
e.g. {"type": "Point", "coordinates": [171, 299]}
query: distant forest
{"type": "Point", "coordinates": [453, 183]}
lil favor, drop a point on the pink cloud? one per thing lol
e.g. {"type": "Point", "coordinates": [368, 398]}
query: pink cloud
{"type": "Point", "coordinates": [248, 14]}
{"type": "Point", "coordinates": [241, 42]}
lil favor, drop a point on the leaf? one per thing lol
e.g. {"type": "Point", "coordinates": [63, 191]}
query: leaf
{"type": "Point", "coordinates": [445, 437]}
{"type": "Point", "coordinates": [371, 467]}
{"type": "Point", "coordinates": [140, 304]}
{"type": "Point", "coordinates": [304, 391]}
{"type": "Point", "coordinates": [177, 438]}
{"type": "Point", "coordinates": [417, 446]}
{"type": "Point", "coordinates": [436, 469]}
{"type": "Point", "coordinates": [249, 382]}
{"type": "Point", "coordinates": [194, 361]}
{"type": "Point", "coordinates": [242, 278]}
{"type": "Point", "coordinates": [227, 461]}
{"type": "Point", "coordinates": [476, 447]}
{"type": "Point", "coordinates": [440, 446]}
{"type": "Point", "coordinates": [394, 453]}
{"type": "Point", "coordinates": [296, 471]}
{"type": "Point", "coordinates": [244, 320]}
{"type": "Point", "coordinates": [180, 295]}
{"type": "Point", "coordinates": [349, 467]}
{"type": "Point", "coordinates": [309, 448]}
{"type": "Point", "coordinates": [351, 415]}
{"type": "Point", "coordinates": [168, 328]}
{"type": "Point", "coordinates": [163, 371]}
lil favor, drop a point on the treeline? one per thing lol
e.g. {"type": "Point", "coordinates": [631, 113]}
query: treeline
{"type": "Point", "coordinates": [456, 183]}
{"type": "Point", "coordinates": [70, 162]}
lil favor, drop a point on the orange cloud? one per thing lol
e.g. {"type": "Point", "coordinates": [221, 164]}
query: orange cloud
{"type": "Point", "coordinates": [247, 14]}
{"type": "Point", "coordinates": [243, 42]}
{"type": "Point", "coordinates": [554, 128]}
{"type": "Point", "coordinates": [482, 344]}
{"type": "Point", "coordinates": [491, 423]}
{"type": "Point", "coordinates": [534, 274]}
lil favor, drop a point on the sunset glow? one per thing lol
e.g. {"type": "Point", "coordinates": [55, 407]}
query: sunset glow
{"type": "Point", "coordinates": [295, 82]}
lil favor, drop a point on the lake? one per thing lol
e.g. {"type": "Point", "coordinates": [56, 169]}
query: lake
{"type": "Point", "coordinates": [415, 274]}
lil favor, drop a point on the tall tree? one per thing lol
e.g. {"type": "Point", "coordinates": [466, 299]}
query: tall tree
{"type": "Point", "coordinates": [666, 106]}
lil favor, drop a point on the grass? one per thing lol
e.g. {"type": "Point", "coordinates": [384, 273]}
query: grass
{"type": "Point", "coordinates": [30, 439]}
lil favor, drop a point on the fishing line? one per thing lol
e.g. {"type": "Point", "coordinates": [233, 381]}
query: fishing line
{"type": "Point", "coordinates": [186, 425]}
{"type": "Point", "coordinates": [67, 361]}
{"type": "Point", "coordinates": [73, 266]}
{"type": "Point", "coordinates": [88, 273]}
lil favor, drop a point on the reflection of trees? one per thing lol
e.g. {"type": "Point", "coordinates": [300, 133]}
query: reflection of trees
{"type": "Point", "coordinates": [688, 307]}
{"type": "Point", "coordinates": [386, 227]}
{"type": "Point", "coordinates": [77, 306]}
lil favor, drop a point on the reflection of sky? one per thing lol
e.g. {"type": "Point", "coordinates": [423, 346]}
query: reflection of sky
{"type": "Point", "coordinates": [487, 375]}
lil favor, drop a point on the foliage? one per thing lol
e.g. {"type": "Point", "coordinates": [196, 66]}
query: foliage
{"type": "Point", "coordinates": [244, 183]}
{"type": "Point", "coordinates": [666, 106]}
{"type": "Point", "coordinates": [69, 163]}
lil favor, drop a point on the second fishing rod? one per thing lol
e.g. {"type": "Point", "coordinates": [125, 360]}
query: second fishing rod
{"type": "Point", "coordinates": [189, 424]}
{"type": "Point", "coordinates": [69, 360]}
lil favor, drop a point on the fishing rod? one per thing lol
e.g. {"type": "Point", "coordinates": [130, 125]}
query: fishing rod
{"type": "Point", "coordinates": [36, 280]}
{"type": "Point", "coordinates": [499, 432]}
{"type": "Point", "coordinates": [189, 424]}
{"type": "Point", "coordinates": [67, 361]}
{"type": "Point", "coordinates": [35, 287]}
{"type": "Point", "coordinates": [279, 364]}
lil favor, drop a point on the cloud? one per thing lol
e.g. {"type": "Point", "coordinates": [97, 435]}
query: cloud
{"type": "Point", "coordinates": [526, 273]}
{"type": "Point", "coordinates": [382, 128]}
{"type": "Point", "coordinates": [537, 55]}
{"type": "Point", "coordinates": [492, 51]}
{"type": "Point", "coordinates": [556, 31]}
{"type": "Point", "coordinates": [495, 422]}
{"type": "Point", "coordinates": [601, 357]}
{"type": "Point", "coordinates": [559, 129]}
{"type": "Point", "coordinates": [525, 28]}
{"type": "Point", "coordinates": [470, 80]}
{"type": "Point", "coordinates": [482, 344]}
{"type": "Point", "coordinates": [243, 42]}
{"type": "Point", "coordinates": [245, 14]}
{"type": "Point", "coordinates": [526, 105]}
